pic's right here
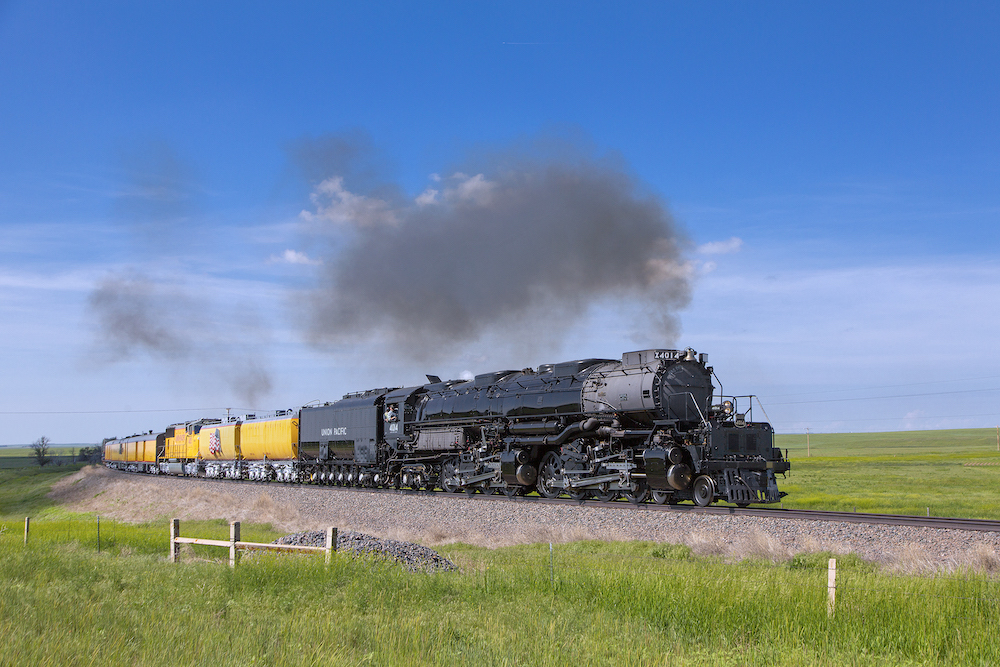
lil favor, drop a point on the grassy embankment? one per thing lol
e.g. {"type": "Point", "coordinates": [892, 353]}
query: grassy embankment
{"type": "Point", "coordinates": [904, 472]}
{"type": "Point", "coordinates": [600, 603]}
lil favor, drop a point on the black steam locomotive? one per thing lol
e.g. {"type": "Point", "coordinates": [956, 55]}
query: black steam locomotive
{"type": "Point", "coordinates": [645, 426]}
{"type": "Point", "coordinates": [648, 426]}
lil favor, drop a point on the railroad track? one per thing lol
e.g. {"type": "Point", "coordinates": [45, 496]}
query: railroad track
{"type": "Point", "coordinates": [983, 525]}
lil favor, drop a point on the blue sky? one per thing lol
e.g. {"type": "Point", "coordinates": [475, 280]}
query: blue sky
{"type": "Point", "coordinates": [831, 169]}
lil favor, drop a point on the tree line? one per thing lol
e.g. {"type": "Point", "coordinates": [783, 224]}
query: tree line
{"type": "Point", "coordinates": [40, 449]}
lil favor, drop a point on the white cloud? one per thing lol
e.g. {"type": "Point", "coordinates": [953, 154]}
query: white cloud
{"type": "Point", "coordinates": [338, 205]}
{"type": "Point", "coordinates": [428, 196]}
{"type": "Point", "coordinates": [729, 246]}
{"type": "Point", "coordinates": [466, 375]}
{"type": "Point", "coordinates": [293, 257]}
{"type": "Point", "coordinates": [470, 190]}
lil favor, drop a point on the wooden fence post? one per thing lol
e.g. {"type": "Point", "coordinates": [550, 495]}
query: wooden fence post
{"type": "Point", "coordinates": [234, 537]}
{"type": "Point", "coordinates": [235, 544]}
{"type": "Point", "coordinates": [27, 522]}
{"type": "Point", "coordinates": [331, 543]}
{"type": "Point", "coordinates": [831, 587]}
{"type": "Point", "coordinates": [552, 570]}
{"type": "Point", "coordinates": [175, 532]}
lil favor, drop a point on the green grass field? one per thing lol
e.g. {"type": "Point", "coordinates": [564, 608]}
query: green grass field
{"type": "Point", "coordinates": [896, 473]}
{"type": "Point", "coordinates": [23, 457]}
{"type": "Point", "coordinates": [593, 603]}
{"type": "Point", "coordinates": [67, 450]}
{"type": "Point", "coordinates": [587, 603]}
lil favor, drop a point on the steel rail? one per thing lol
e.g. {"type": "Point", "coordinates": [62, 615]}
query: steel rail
{"type": "Point", "coordinates": [916, 521]}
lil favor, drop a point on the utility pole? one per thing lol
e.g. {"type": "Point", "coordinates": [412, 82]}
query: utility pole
{"type": "Point", "coordinates": [998, 438]}
{"type": "Point", "coordinates": [807, 443]}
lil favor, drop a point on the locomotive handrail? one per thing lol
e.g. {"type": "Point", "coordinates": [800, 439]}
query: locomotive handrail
{"type": "Point", "coordinates": [750, 399]}
{"type": "Point", "coordinates": [754, 396]}
{"type": "Point", "coordinates": [697, 407]}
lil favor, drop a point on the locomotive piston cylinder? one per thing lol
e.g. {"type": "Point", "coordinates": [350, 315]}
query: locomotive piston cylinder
{"type": "Point", "coordinates": [515, 469]}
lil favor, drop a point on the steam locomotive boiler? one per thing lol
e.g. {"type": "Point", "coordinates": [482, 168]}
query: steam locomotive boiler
{"type": "Point", "coordinates": [647, 426]}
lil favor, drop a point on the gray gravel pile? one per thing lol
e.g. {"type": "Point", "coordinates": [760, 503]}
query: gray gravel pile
{"type": "Point", "coordinates": [413, 557]}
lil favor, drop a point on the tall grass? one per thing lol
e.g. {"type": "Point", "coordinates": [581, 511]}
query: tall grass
{"type": "Point", "coordinates": [589, 603]}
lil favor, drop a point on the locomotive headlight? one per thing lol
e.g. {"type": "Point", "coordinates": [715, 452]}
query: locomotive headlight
{"type": "Point", "coordinates": [727, 407]}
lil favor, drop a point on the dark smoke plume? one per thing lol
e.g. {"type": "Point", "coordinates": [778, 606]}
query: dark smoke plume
{"type": "Point", "coordinates": [525, 243]}
{"type": "Point", "coordinates": [137, 318]}
{"type": "Point", "coordinates": [137, 315]}
{"type": "Point", "coordinates": [134, 318]}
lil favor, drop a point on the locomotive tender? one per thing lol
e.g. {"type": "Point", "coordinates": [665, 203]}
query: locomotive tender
{"type": "Point", "coordinates": [646, 427]}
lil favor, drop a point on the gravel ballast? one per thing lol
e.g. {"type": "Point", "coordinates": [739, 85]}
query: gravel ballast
{"type": "Point", "coordinates": [411, 556]}
{"type": "Point", "coordinates": [441, 519]}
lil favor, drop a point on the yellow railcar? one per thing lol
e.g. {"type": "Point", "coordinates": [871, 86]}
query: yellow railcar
{"type": "Point", "coordinates": [181, 440]}
{"type": "Point", "coordinates": [136, 452]}
{"type": "Point", "coordinates": [219, 442]}
{"type": "Point", "coordinates": [114, 450]}
{"type": "Point", "coordinates": [175, 446]}
{"type": "Point", "coordinates": [275, 439]}
{"type": "Point", "coordinates": [142, 447]}
{"type": "Point", "coordinates": [150, 448]}
{"type": "Point", "coordinates": [191, 432]}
